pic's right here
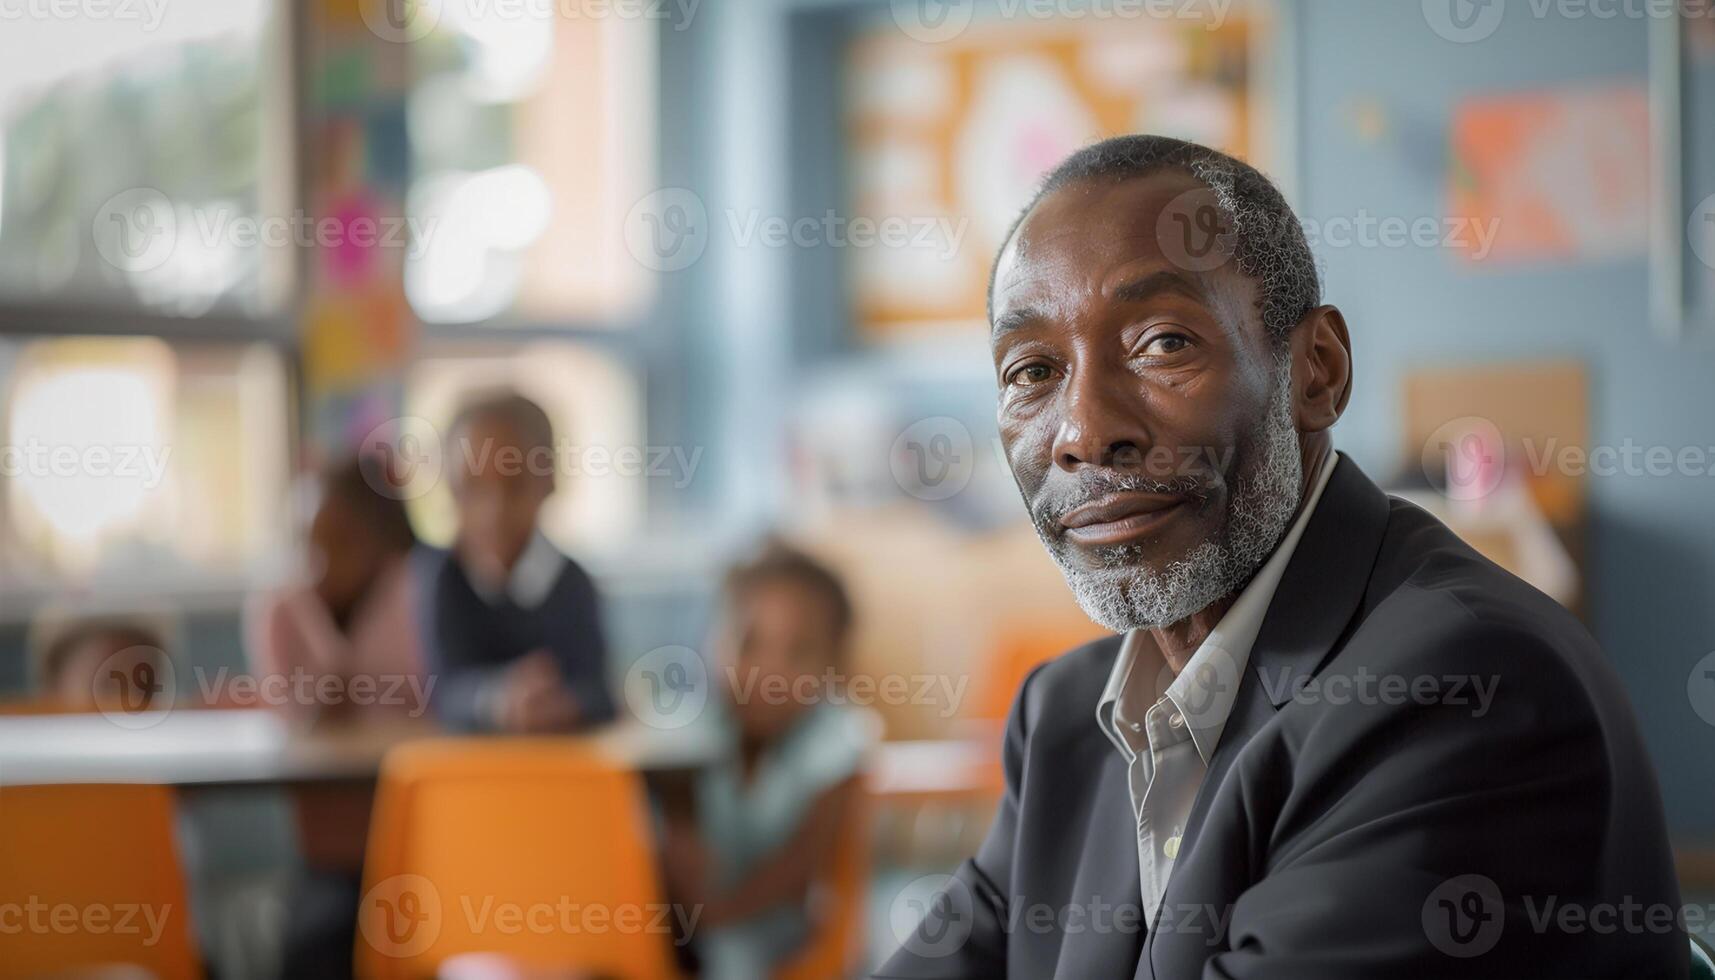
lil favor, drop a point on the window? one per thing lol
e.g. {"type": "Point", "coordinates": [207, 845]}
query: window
{"type": "Point", "coordinates": [138, 146]}
{"type": "Point", "coordinates": [532, 135]}
{"type": "Point", "coordinates": [130, 465]}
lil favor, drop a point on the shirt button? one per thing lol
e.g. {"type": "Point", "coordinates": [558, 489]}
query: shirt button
{"type": "Point", "coordinates": [1171, 848]}
{"type": "Point", "coordinates": [1176, 719]}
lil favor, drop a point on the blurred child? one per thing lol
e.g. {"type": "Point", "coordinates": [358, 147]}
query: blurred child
{"type": "Point", "coordinates": [107, 662]}
{"type": "Point", "coordinates": [343, 644]}
{"type": "Point", "coordinates": [768, 817]}
{"type": "Point", "coordinates": [515, 626]}
{"type": "Point", "coordinates": [353, 622]}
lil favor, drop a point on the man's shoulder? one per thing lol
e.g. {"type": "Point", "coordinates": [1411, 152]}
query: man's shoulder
{"type": "Point", "coordinates": [1071, 682]}
{"type": "Point", "coordinates": [1436, 611]}
{"type": "Point", "coordinates": [1432, 595]}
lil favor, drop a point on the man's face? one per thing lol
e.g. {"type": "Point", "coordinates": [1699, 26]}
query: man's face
{"type": "Point", "coordinates": [1146, 414]}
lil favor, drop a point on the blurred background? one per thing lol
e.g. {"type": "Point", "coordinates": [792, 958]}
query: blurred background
{"type": "Point", "coordinates": [737, 250]}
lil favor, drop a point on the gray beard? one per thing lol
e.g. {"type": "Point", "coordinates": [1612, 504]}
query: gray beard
{"type": "Point", "coordinates": [1126, 593]}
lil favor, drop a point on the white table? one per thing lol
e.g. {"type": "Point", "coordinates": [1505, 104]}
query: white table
{"type": "Point", "coordinates": [217, 747]}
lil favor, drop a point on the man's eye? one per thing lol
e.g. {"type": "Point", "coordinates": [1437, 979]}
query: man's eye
{"type": "Point", "coordinates": [1032, 374]}
{"type": "Point", "coordinates": [1166, 343]}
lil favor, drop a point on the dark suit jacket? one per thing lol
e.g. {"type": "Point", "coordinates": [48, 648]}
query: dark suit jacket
{"type": "Point", "coordinates": [1340, 834]}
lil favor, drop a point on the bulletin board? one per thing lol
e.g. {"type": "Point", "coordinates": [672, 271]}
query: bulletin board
{"type": "Point", "coordinates": [947, 141]}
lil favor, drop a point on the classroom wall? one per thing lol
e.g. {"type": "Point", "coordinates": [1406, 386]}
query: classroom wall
{"type": "Point", "coordinates": [1652, 539]}
{"type": "Point", "coordinates": [1652, 545]}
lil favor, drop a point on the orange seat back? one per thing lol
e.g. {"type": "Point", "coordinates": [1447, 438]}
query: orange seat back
{"type": "Point", "coordinates": [536, 849]}
{"type": "Point", "coordinates": [1014, 655]}
{"type": "Point", "coordinates": [90, 876]}
{"type": "Point", "coordinates": [837, 946]}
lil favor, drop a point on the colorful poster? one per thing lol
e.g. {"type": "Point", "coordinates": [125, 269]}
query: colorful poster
{"type": "Point", "coordinates": [1559, 175]}
{"type": "Point", "coordinates": [947, 141]}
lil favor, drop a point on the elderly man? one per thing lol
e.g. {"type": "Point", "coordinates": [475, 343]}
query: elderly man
{"type": "Point", "coordinates": [1330, 740]}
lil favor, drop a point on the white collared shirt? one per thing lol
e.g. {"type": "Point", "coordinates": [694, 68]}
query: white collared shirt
{"type": "Point", "coordinates": [1166, 726]}
{"type": "Point", "coordinates": [532, 578]}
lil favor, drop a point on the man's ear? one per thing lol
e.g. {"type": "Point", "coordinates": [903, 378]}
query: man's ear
{"type": "Point", "coordinates": [1322, 365]}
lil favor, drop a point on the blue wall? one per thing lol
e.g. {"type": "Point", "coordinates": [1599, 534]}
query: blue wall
{"type": "Point", "coordinates": [1652, 548]}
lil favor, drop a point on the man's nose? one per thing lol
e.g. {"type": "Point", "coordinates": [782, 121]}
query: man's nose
{"type": "Point", "coordinates": [1103, 422]}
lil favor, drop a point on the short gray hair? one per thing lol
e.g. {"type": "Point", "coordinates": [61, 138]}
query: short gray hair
{"type": "Point", "coordinates": [1267, 240]}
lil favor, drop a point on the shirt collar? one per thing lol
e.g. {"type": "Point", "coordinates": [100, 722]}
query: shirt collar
{"type": "Point", "coordinates": [532, 577]}
{"type": "Point", "coordinates": [1205, 690]}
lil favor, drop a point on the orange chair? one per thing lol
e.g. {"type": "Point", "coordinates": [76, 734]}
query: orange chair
{"type": "Point", "coordinates": [1015, 654]}
{"type": "Point", "coordinates": [91, 875]}
{"type": "Point", "coordinates": [837, 948]}
{"type": "Point", "coordinates": [535, 849]}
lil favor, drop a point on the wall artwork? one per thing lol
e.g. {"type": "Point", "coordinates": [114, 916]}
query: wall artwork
{"type": "Point", "coordinates": [948, 140]}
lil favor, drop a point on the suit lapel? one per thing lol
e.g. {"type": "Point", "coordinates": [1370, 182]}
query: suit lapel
{"type": "Point", "coordinates": [1108, 876]}
{"type": "Point", "coordinates": [1318, 596]}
